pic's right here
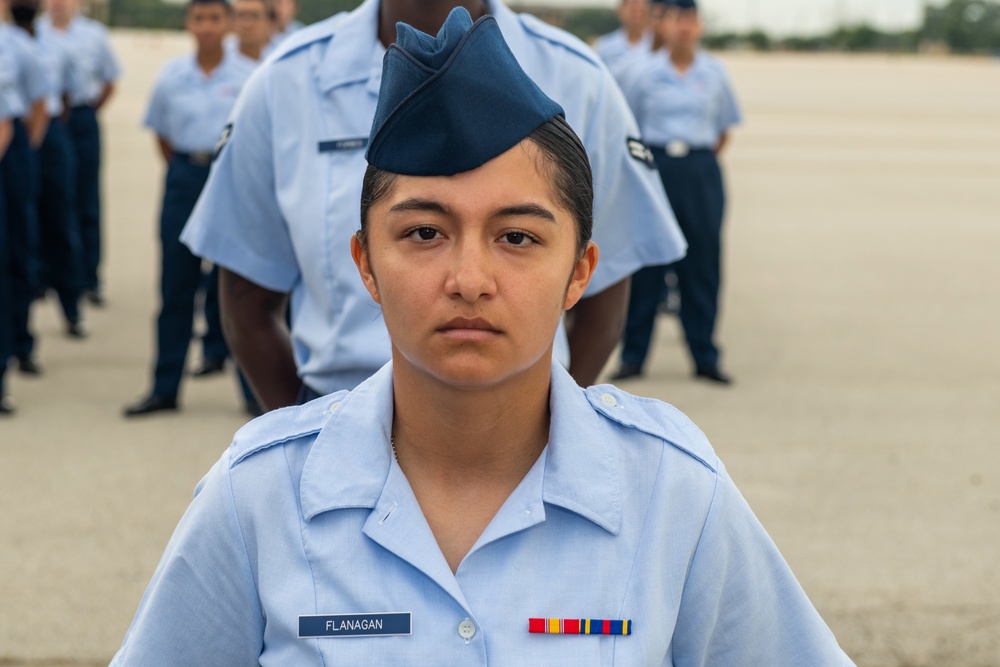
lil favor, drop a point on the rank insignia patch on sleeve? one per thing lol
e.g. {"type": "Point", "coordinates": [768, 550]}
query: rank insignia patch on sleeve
{"type": "Point", "coordinates": [227, 132]}
{"type": "Point", "coordinates": [640, 152]}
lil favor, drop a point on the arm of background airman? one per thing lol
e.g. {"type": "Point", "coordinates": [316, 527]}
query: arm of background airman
{"type": "Point", "coordinates": [166, 150]}
{"type": "Point", "coordinates": [253, 320]}
{"type": "Point", "coordinates": [594, 327]}
{"type": "Point", "coordinates": [6, 134]}
{"type": "Point", "coordinates": [37, 123]}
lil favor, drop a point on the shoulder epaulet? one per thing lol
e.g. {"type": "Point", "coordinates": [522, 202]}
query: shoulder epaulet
{"type": "Point", "coordinates": [540, 28]}
{"type": "Point", "coordinates": [281, 426]}
{"type": "Point", "coordinates": [655, 418]}
{"type": "Point", "coordinates": [310, 34]}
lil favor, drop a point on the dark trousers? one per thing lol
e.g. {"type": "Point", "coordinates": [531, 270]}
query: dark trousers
{"type": "Point", "coordinates": [180, 275]}
{"type": "Point", "coordinates": [648, 289]}
{"type": "Point", "coordinates": [20, 176]}
{"type": "Point", "coordinates": [213, 343]}
{"type": "Point", "coordinates": [59, 232]}
{"type": "Point", "coordinates": [694, 187]}
{"type": "Point", "coordinates": [6, 336]}
{"type": "Point", "coordinates": [85, 135]}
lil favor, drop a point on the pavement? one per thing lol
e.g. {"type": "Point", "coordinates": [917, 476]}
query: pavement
{"type": "Point", "coordinates": [860, 321]}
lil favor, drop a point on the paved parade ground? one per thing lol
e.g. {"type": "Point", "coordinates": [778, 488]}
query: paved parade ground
{"type": "Point", "coordinates": [861, 320]}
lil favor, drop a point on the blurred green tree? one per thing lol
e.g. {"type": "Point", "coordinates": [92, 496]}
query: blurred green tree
{"type": "Point", "coordinates": [965, 26]}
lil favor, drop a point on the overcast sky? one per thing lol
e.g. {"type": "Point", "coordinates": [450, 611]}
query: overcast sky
{"type": "Point", "coordinates": [797, 16]}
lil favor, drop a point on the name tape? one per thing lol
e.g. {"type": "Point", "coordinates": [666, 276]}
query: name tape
{"type": "Point", "coordinates": [343, 145]}
{"type": "Point", "coordinates": [355, 625]}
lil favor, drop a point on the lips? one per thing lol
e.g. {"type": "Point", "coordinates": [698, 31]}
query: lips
{"type": "Point", "coordinates": [471, 328]}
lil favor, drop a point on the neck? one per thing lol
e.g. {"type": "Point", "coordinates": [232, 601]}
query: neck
{"type": "Point", "coordinates": [682, 57]}
{"type": "Point", "coordinates": [454, 435]}
{"type": "Point", "coordinates": [61, 21]}
{"type": "Point", "coordinates": [27, 27]}
{"type": "Point", "coordinates": [251, 51]}
{"type": "Point", "coordinates": [425, 15]}
{"type": "Point", "coordinates": [209, 57]}
{"type": "Point", "coordinates": [634, 35]}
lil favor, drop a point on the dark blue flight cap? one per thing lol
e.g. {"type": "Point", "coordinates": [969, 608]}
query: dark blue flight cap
{"type": "Point", "coordinates": [452, 103]}
{"type": "Point", "coordinates": [685, 4]}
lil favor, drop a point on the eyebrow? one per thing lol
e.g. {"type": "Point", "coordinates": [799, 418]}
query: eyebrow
{"type": "Point", "coordinates": [533, 210]}
{"type": "Point", "coordinates": [428, 205]}
{"type": "Point", "coordinates": [431, 206]}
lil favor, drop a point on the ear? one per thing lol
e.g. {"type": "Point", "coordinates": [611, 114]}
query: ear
{"type": "Point", "coordinates": [582, 273]}
{"type": "Point", "coordinates": [360, 256]}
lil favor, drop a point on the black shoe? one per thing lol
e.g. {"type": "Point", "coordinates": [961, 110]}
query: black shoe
{"type": "Point", "coordinates": [6, 406]}
{"type": "Point", "coordinates": [151, 404]}
{"type": "Point", "coordinates": [627, 371]}
{"type": "Point", "coordinates": [28, 365]}
{"type": "Point", "coordinates": [76, 329]}
{"type": "Point", "coordinates": [95, 297]}
{"type": "Point", "coordinates": [209, 367]}
{"type": "Point", "coordinates": [713, 375]}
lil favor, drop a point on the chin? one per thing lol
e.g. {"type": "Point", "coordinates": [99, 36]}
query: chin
{"type": "Point", "coordinates": [475, 371]}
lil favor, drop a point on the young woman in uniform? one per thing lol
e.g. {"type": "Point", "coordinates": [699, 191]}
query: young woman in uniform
{"type": "Point", "coordinates": [470, 500]}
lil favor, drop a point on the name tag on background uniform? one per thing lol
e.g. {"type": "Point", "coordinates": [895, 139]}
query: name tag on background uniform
{"type": "Point", "coordinates": [343, 144]}
{"type": "Point", "coordinates": [355, 625]}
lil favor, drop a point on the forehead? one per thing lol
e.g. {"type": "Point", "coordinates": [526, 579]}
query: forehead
{"type": "Point", "coordinates": [520, 173]}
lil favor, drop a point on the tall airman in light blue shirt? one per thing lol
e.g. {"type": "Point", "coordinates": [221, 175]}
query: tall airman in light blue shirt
{"type": "Point", "coordinates": [19, 170]}
{"type": "Point", "coordinates": [620, 49]}
{"type": "Point", "coordinates": [9, 109]}
{"type": "Point", "coordinates": [685, 106]}
{"type": "Point", "coordinates": [281, 203]}
{"type": "Point", "coordinates": [97, 70]}
{"type": "Point", "coordinates": [60, 257]}
{"type": "Point", "coordinates": [470, 504]}
{"type": "Point", "coordinates": [191, 101]}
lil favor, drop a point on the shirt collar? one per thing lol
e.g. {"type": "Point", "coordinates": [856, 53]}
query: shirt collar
{"type": "Point", "coordinates": [348, 57]}
{"type": "Point", "coordinates": [350, 461]}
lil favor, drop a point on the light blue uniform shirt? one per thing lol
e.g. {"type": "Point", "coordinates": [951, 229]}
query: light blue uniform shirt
{"type": "Point", "coordinates": [189, 109]}
{"type": "Point", "coordinates": [95, 63]}
{"type": "Point", "coordinates": [282, 202]}
{"type": "Point", "coordinates": [28, 81]}
{"type": "Point", "coordinates": [59, 70]}
{"type": "Point", "coordinates": [695, 107]}
{"type": "Point", "coordinates": [619, 54]}
{"type": "Point", "coordinates": [627, 514]}
{"type": "Point", "coordinates": [10, 101]}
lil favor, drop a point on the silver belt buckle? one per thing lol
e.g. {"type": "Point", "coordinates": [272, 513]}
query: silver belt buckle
{"type": "Point", "coordinates": [678, 149]}
{"type": "Point", "coordinates": [201, 158]}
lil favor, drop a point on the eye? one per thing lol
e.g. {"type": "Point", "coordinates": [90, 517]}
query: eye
{"type": "Point", "coordinates": [423, 233]}
{"type": "Point", "coordinates": [518, 238]}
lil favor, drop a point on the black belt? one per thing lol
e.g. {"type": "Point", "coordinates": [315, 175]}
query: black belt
{"type": "Point", "coordinates": [681, 149]}
{"type": "Point", "coordinates": [198, 159]}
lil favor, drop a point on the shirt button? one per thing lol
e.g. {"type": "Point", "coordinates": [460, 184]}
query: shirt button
{"type": "Point", "coordinates": [334, 406]}
{"type": "Point", "coordinates": [466, 629]}
{"type": "Point", "coordinates": [608, 400]}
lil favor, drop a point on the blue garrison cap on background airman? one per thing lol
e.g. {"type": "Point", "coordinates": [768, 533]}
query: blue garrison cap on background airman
{"type": "Point", "coordinates": [452, 103]}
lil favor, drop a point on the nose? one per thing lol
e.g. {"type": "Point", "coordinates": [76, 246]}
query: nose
{"type": "Point", "coordinates": [471, 275]}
